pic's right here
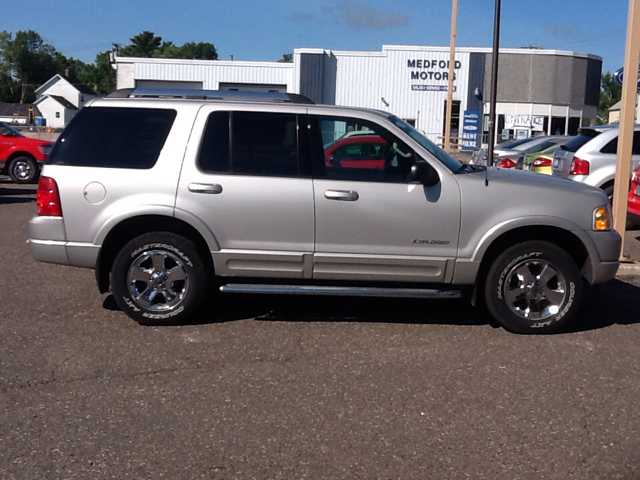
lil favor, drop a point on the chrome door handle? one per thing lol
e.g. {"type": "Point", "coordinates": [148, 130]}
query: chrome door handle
{"type": "Point", "coordinates": [343, 195]}
{"type": "Point", "coordinates": [211, 188]}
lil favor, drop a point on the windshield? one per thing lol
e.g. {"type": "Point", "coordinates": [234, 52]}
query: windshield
{"type": "Point", "coordinates": [446, 159]}
{"type": "Point", "coordinates": [8, 131]}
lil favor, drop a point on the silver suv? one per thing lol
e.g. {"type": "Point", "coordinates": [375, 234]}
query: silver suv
{"type": "Point", "coordinates": [590, 157]}
{"type": "Point", "coordinates": [168, 195]}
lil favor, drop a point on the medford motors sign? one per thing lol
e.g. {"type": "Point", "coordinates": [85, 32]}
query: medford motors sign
{"type": "Point", "coordinates": [431, 69]}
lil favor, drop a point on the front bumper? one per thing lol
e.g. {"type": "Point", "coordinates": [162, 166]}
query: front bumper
{"type": "Point", "coordinates": [604, 259]}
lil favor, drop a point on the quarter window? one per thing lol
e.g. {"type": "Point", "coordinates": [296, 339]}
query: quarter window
{"type": "Point", "coordinates": [114, 137]}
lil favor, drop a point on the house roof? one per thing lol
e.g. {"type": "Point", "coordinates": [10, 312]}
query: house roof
{"type": "Point", "coordinates": [62, 101]}
{"type": "Point", "coordinates": [616, 106]}
{"type": "Point", "coordinates": [81, 87]}
{"type": "Point", "coordinates": [17, 109]}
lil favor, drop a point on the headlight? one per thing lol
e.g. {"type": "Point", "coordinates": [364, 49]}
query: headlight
{"type": "Point", "coordinates": [602, 219]}
{"type": "Point", "coordinates": [45, 150]}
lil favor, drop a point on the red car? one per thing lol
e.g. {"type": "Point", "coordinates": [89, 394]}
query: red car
{"type": "Point", "coordinates": [359, 151]}
{"type": "Point", "coordinates": [21, 157]}
{"type": "Point", "coordinates": [633, 208]}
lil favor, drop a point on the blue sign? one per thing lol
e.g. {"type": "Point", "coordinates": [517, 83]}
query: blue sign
{"type": "Point", "coordinates": [618, 74]}
{"type": "Point", "coordinates": [470, 127]}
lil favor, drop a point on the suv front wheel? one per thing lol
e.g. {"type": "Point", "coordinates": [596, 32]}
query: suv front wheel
{"type": "Point", "coordinates": [159, 279]}
{"type": "Point", "coordinates": [533, 287]}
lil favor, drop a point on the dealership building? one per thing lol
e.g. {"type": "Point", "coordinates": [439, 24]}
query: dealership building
{"type": "Point", "coordinates": [539, 91]}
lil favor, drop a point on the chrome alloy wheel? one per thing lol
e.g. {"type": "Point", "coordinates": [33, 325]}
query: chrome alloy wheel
{"type": "Point", "coordinates": [22, 169]}
{"type": "Point", "coordinates": [158, 280]}
{"type": "Point", "coordinates": [534, 289]}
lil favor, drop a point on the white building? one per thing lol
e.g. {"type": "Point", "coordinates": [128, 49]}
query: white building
{"type": "Point", "coordinates": [60, 98]}
{"type": "Point", "coordinates": [546, 91]}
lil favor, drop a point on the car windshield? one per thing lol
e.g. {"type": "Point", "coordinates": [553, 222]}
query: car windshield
{"type": "Point", "coordinates": [448, 161]}
{"type": "Point", "coordinates": [8, 131]}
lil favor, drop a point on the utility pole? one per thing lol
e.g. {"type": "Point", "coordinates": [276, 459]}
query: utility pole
{"type": "Point", "coordinates": [627, 120]}
{"type": "Point", "coordinates": [452, 62]}
{"type": "Point", "coordinates": [494, 83]}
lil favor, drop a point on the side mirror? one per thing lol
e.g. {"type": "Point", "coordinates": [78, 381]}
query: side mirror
{"type": "Point", "coordinates": [423, 173]}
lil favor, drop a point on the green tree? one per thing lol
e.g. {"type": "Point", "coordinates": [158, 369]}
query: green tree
{"type": "Point", "coordinates": [286, 58]}
{"type": "Point", "coordinates": [28, 62]}
{"type": "Point", "coordinates": [144, 45]}
{"type": "Point", "coordinates": [610, 94]}
{"type": "Point", "coordinates": [99, 75]}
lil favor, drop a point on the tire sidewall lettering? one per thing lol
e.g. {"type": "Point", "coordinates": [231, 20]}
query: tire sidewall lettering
{"type": "Point", "coordinates": [509, 266]}
{"type": "Point", "coordinates": [171, 248]}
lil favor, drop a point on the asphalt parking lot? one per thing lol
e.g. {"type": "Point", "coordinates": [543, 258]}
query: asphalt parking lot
{"type": "Point", "coordinates": [305, 388]}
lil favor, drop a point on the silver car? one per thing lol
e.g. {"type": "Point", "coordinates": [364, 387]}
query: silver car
{"type": "Point", "coordinates": [508, 154]}
{"type": "Point", "coordinates": [171, 195]}
{"type": "Point", "coordinates": [590, 158]}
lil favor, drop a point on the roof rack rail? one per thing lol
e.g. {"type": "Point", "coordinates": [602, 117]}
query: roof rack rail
{"type": "Point", "coordinates": [189, 94]}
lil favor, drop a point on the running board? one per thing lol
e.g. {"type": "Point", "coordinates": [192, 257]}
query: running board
{"type": "Point", "coordinates": [341, 291]}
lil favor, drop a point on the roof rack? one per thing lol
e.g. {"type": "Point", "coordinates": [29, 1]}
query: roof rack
{"type": "Point", "coordinates": [189, 94]}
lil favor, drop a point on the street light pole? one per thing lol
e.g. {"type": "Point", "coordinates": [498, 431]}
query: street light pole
{"type": "Point", "coordinates": [452, 61]}
{"type": "Point", "coordinates": [494, 83]}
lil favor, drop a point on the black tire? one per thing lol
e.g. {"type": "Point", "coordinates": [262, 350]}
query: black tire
{"type": "Point", "coordinates": [154, 258]}
{"type": "Point", "coordinates": [24, 170]}
{"type": "Point", "coordinates": [609, 192]}
{"type": "Point", "coordinates": [526, 299]}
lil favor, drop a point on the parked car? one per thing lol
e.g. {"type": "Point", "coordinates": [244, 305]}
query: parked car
{"type": "Point", "coordinates": [508, 154]}
{"type": "Point", "coordinates": [590, 157]}
{"type": "Point", "coordinates": [169, 198]}
{"type": "Point", "coordinates": [633, 208]}
{"type": "Point", "coordinates": [21, 157]}
{"type": "Point", "coordinates": [367, 151]}
{"type": "Point", "coordinates": [540, 162]}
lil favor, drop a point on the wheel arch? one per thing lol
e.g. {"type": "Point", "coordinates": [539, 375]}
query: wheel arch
{"type": "Point", "coordinates": [132, 227]}
{"type": "Point", "coordinates": [558, 236]}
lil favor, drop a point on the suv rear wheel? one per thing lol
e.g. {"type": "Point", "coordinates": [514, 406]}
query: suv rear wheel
{"type": "Point", "coordinates": [24, 170]}
{"type": "Point", "coordinates": [533, 287]}
{"type": "Point", "coordinates": [159, 279]}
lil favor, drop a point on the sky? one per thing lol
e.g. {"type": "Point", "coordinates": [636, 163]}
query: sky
{"type": "Point", "coordinates": [264, 30]}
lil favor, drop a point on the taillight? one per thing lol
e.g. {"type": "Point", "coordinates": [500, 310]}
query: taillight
{"type": "Point", "coordinates": [579, 167]}
{"type": "Point", "coordinates": [506, 163]}
{"type": "Point", "coordinates": [635, 176]}
{"type": "Point", "coordinates": [48, 198]}
{"type": "Point", "coordinates": [542, 162]}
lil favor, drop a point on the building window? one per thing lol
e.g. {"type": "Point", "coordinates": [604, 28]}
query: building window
{"type": "Point", "coordinates": [57, 114]}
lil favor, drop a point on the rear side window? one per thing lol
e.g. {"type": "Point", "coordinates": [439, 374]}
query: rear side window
{"type": "Point", "coordinates": [114, 138]}
{"type": "Point", "coordinates": [250, 143]}
{"type": "Point", "coordinates": [612, 146]}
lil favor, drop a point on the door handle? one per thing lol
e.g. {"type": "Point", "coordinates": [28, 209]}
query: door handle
{"type": "Point", "coordinates": [211, 188]}
{"type": "Point", "coordinates": [343, 195]}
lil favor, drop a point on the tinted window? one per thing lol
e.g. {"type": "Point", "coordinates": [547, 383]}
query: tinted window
{"type": "Point", "coordinates": [612, 146]}
{"type": "Point", "coordinates": [214, 151]}
{"type": "Point", "coordinates": [264, 143]}
{"type": "Point", "coordinates": [576, 142]}
{"type": "Point", "coordinates": [261, 144]}
{"type": "Point", "coordinates": [114, 137]}
{"type": "Point", "coordinates": [374, 155]}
